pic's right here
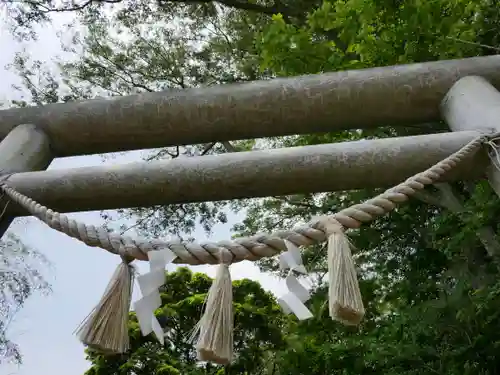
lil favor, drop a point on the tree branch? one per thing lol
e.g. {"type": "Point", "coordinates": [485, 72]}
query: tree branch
{"type": "Point", "coordinates": [235, 4]}
{"type": "Point", "coordinates": [429, 199]}
{"type": "Point", "coordinates": [278, 8]}
{"type": "Point", "coordinates": [208, 148]}
{"type": "Point", "coordinates": [246, 5]}
{"type": "Point", "coordinates": [73, 8]}
{"type": "Point", "coordinates": [229, 147]}
{"type": "Point", "coordinates": [485, 234]}
{"type": "Point", "coordinates": [299, 204]}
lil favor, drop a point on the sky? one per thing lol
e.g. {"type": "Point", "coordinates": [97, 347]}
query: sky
{"type": "Point", "coordinates": [79, 274]}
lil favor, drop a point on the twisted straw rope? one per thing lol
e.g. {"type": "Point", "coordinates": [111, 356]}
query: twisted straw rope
{"type": "Point", "coordinates": [246, 248]}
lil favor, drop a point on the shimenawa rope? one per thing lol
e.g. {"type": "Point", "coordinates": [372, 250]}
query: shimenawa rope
{"type": "Point", "coordinates": [245, 248]}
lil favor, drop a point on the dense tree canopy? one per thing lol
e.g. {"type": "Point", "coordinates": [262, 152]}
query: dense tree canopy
{"type": "Point", "coordinates": [427, 272]}
{"type": "Point", "coordinates": [258, 323]}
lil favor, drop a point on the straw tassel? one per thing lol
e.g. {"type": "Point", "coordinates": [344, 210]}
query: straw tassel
{"type": "Point", "coordinates": [106, 328]}
{"type": "Point", "coordinates": [215, 329]}
{"type": "Point", "coordinates": [345, 301]}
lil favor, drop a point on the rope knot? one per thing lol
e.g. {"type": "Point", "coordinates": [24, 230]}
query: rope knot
{"type": "Point", "coordinates": [226, 257]}
{"type": "Point", "coordinates": [125, 253]}
{"type": "Point", "coordinates": [330, 225]}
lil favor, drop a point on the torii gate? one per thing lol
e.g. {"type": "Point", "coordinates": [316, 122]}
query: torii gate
{"type": "Point", "coordinates": [462, 92]}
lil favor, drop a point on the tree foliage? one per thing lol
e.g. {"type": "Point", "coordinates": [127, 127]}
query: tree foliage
{"type": "Point", "coordinates": [257, 330]}
{"type": "Point", "coordinates": [20, 277]}
{"type": "Point", "coordinates": [428, 272]}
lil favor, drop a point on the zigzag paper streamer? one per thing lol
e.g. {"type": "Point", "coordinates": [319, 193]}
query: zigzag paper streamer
{"type": "Point", "coordinates": [293, 301]}
{"type": "Point", "coordinates": [149, 283]}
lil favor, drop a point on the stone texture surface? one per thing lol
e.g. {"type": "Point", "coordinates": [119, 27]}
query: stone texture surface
{"type": "Point", "coordinates": [317, 103]}
{"type": "Point", "coordinates": [25, 148]}
{"type": "Point", "coordinates": [328, 167]}
{"type": "Point", "coordinates": [474, 104]}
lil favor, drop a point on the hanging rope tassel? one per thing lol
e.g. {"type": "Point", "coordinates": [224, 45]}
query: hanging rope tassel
{"type": "Point", "coordinates": [106, 328]}
{"type": "Point", "coordinates": [345, 302]}
{"type": "Point", "coordinates": [215, 328]}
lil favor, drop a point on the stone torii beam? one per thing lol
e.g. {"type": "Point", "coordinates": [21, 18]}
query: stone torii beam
{"type": "Point", "coordinates": [367, 98]}
{"type": "Point", "coordinates": [473, 103]}
{"type": "Point", "coordinates": [25, 148]}
{"type": "Point", "coordinates": [307, 169]}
